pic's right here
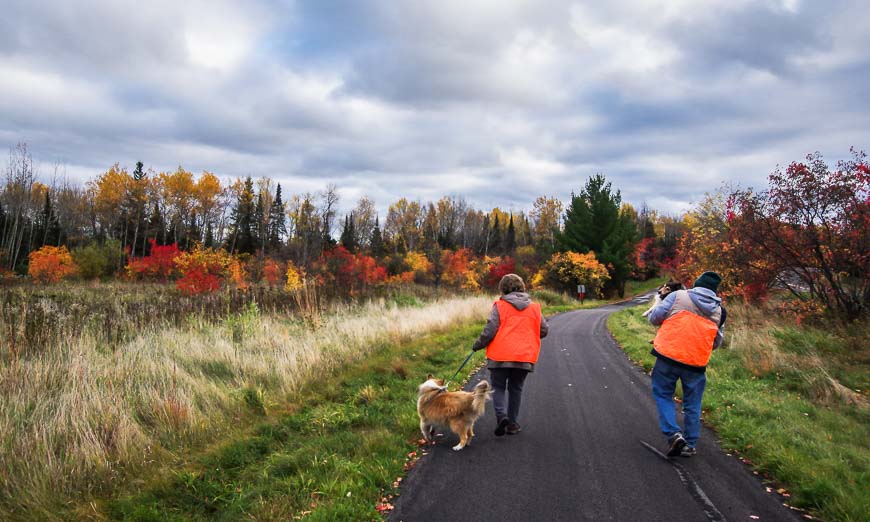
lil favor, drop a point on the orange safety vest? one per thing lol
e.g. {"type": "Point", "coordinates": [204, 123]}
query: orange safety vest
{"type": "Point", "coordinates": [686, 335]}
{"type": "Point", "coordinates": [519, 334]}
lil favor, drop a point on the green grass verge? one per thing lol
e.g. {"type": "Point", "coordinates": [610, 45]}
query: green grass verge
{"type": "Point", "coordinates": [555, 303]}
{"type": "Point", "coordinates": [820, 452]}
{"type": "Point", "coordinates": [332, 457]}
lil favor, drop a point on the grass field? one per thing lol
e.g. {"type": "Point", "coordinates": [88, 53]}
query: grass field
{"type": "Point", "coordinates": [79, 417]}
{"type": "Point", "coordinates": [791, 400]}
{"type": "Point", "coordinates": [186, 416]}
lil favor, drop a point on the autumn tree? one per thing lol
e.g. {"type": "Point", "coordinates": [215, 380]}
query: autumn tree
{"type": "Point", "coordinates": [20, 206]}
{"type": "Point", "coordinates": [364, 217]}
{"type": "Point", "coordinates": [811, 230]}
{"type": "Point", "coordinates": [402, 226]}
{"type": "Point", "coordinates": [206, 195]}
{"type": "Point", "coordinates": [566, 270]}
{"type": "Point", "coordinates": [546, 215]}
{"type": "Point", "coordinates": [305, 230]}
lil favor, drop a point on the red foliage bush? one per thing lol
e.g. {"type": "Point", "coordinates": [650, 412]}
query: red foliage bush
{"type": "Point", "coordinates": [350, 273]}
{"type": "Point", "coordinates": [158, 264]}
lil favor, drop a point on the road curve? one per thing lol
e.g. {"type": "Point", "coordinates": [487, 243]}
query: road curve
{"type": "Point", "coordinates": [585, 411]}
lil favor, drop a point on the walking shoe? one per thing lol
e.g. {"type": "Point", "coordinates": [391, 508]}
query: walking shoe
{"type": "Point", "coordinates": [513, 429]}
{"type": "Point", "coordinates": [502, 426]}
{"type": "Point", "coordinates": [676, 442]}
{"type": "Point", "coordinates": [688, 451]}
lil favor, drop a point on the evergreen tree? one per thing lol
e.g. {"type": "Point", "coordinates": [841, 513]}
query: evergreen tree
{"type": "Point", "coordinates": [376, 244]}
{"type": "Point", "coordinates": [348, 236]}
{"type": "Point", "coordinates": [594, 222]}
{"type": "Point", "coordinates": [138, 175]}
{"type": "Point", "coordinates": [510, 242]}
{"type": "Point", "coordinates": [277, 222]}
{"type": "Point", "coordinates": [495, 242]}
{"type": "Point", "coordinates": [242, 231]}
{"type": "Point", "coordinates": [259, 226]}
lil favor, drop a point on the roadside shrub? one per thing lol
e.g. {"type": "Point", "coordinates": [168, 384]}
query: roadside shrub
{"type": "Point", "coordinates": [51, 264]}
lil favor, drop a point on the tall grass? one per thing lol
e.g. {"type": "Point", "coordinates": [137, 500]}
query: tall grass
{"type": "Point", "coordinates": [80, 416]}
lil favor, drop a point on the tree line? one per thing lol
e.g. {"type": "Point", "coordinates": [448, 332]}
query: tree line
{"type": "Point", "coordinates": [128, 212]}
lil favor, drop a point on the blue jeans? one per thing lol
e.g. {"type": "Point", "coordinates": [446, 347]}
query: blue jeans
{"type": "Point", "coordinates": [664, 383]}
{"type": "Point", "coordinates": [508, 380]}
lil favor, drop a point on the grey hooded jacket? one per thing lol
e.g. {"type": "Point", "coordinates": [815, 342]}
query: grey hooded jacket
{"type": "Point", "coordinates": [520, 301]}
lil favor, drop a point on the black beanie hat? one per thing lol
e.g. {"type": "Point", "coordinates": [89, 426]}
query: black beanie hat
{"type": "Point", "coordinates": [709, 280]}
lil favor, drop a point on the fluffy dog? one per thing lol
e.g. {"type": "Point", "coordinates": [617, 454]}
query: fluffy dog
{"type": "Point", "coordinates": [670, 286]}
{"type": "Point", "coordinates": [455, 410]}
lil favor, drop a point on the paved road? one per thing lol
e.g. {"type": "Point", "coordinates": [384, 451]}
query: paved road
{"type": "Point", "coordinates": [585, 410]}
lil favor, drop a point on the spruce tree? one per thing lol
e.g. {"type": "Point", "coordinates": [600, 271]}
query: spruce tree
{"type": "Point", "coordinates": [277, 222]}
{"type": "Point", "coordinates": [510, 242]}
{"type": "Point", "coordinates": [376, 244]}
{"type": "Point", "coordinates": [242, 237]}
{"type": "Point", "coordinates": [594, 222]}
{"type": "Point", "coordinates": [495, 242]}
{"type": "Point", "coordinates": [348, 236]}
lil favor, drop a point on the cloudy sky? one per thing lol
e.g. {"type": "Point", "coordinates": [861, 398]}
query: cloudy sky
{"type": "Point", "coordinates": [498, 101]}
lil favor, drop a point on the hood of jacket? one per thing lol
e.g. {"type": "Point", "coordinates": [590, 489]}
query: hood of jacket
{"type": "Point", "coordinates": [705, 299]}
{"type": "Point", "coordinates": [519, 300]}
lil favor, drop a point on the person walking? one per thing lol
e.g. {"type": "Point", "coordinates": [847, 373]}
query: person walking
{"type": "Point", "coordinates": [691, 328]}
{"type": "Point", "coordinates": [512, 338]}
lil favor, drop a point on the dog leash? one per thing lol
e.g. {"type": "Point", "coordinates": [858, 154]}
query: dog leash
{"type": "Point", "coordinates": [459, 370]}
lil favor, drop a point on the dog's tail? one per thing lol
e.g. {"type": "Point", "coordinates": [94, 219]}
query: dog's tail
{"type": "Point", "coordinates": [481, 394]}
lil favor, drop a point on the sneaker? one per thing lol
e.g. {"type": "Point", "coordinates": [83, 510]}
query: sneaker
{"type": "Point", "coordinates": [676, 442]}
{"type": "Point", "coordinates": [502, 426]}
{"type": "Point", "coordinates": [688, 451]}
{"type": "Point", "coordinates": [513, 429]}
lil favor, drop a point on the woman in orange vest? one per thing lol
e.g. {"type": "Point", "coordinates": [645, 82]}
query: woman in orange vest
{"type": "Point", "coordinates": [691, 328]}
{"type": "Point", "coordinates": [512, 338]}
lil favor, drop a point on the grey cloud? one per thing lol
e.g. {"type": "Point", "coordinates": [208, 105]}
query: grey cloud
{"type": "Point", "coordinates": [421, 99]}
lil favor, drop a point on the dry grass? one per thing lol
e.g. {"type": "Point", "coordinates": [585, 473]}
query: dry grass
{"type": "Point", "coordinates": [80, 418]}
{"type": "Point", "coordinates": [766, 348]}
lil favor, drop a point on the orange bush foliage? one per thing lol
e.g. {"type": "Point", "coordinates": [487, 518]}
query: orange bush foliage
{"type": "Point", "coordinates": [51, 264]}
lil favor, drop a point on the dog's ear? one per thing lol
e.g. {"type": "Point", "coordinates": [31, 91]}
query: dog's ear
{"type": "Point", "coordinates": [440, 382]}
{"type": "Point", "coordinates": [428, 376]}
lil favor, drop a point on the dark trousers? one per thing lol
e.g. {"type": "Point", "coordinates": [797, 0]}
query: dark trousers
{"type": "Point", "coordinates": [507, 381]}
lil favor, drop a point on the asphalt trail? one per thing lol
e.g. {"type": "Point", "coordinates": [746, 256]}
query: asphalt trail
{"type": "Point", "coordinates": [586, 409]}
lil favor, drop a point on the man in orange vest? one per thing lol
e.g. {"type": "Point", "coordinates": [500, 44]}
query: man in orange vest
{"type": "Point", "coordinates": [512, 338]}
{"type": "Point", "coordinates": [691, 328]}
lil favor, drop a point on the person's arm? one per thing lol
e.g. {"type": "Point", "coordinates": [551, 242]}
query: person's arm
{"type": "Point", "coordinates": [545, 327]}
{"type": "Point", "coordinates": [717, 342]}
{"type": "Point", "coordinates": [489, 331]}
{"type": "Point", "coordinates": [660, 312]}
